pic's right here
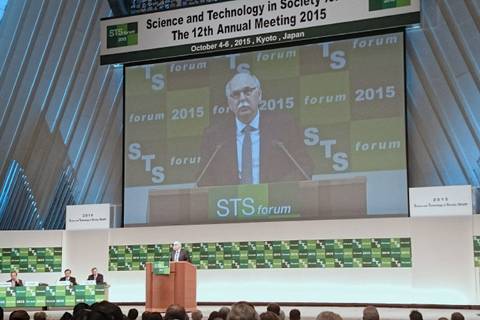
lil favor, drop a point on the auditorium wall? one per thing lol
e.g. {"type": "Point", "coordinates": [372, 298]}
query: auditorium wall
{"type": "Point", "coordinates": [442, 261]}
{"type": "Point", "coordinates": [61, 141]}
{"type": "Point", "coordinates": [61, 113]}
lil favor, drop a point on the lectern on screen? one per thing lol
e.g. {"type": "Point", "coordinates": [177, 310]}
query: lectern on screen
{"type": "Point", "coordinates": [328, 140]}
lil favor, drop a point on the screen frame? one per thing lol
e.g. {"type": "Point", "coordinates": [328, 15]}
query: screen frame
{"type": "Point", "coordinates": [271, 47]}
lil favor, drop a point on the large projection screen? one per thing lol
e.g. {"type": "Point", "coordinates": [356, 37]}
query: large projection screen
{"type": "Point", "coordinates": [307, 132]}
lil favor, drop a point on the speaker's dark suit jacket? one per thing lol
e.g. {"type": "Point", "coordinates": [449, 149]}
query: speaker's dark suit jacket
{"type": "Point", "coordinates": [18, 283]}
{"type": "Point", "coordinates": [99, 279]}
{"type": "Point", "coordinates": [183, 256]}
{"type": "Point", "coordinates": [72, 280]}
{"type": "Point", "coordinates": [275, 165]}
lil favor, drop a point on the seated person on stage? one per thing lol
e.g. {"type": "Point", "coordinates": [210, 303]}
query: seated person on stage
{"type": "Point", "coordinates": [178, 254]}
{"type": "Point", "coordinates": [68, 277]}
{"type": "Point", "coordinates": [98, 277]}
{"type": "Point", "coordinates": [14, 281]}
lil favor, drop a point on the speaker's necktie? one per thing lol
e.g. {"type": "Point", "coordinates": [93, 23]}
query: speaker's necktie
{"type": "Point", "coordinates": [247, 155]}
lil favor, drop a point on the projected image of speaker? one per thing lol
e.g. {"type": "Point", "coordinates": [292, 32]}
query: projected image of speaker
{"type": "Point", "coordinates": [307, 132]}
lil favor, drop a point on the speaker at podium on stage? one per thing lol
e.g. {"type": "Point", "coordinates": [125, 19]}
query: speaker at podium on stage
{"type": "Point", "coordinates": [179, 254]}
{"type": "Point", "coordinates": [172, 282]}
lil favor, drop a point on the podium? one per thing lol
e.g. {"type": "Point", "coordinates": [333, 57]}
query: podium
{"type": "Point", "coordinates": [178, 287]}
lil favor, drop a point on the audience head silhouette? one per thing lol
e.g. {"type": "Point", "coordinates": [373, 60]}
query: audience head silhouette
{"type": "Point", "coordinates": [175, 312]}
{"type": "Point", "coordinates": [224, 311]}
{"type": "Point", "coordinates": [197, 315]}
{"type": "Point", "coordinates": [294, 314]}
{"type": "Point", "coordinates": [457, 316]}
{"type": "Point", "coordinates": [274, 307]}
{"type": "Point", "coordinates": [243, 311]}
{"type": "Point", "coordinates": [40, 316]}
{"type": "Point", "coordinates": [19, 315]}
{"type": "Point", "coordinates": [415, 315]}
{"type": "Point", "coordinates": [370, 313]}
{"type": "Point", "coordinates": [329, 315]}
{"type": "Point", "coordinates": [132, 314]}
{"type": "Point", "coordinates": [269, 315]}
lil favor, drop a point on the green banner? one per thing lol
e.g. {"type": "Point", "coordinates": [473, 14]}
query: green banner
{"type": "Point", "coordinates": [161, 267]}
{"type": "Point", "coordinates": [340, 253]}
{"type": "Point", "coordinates": [476, 250]}
{"type": "Point", "coordinates": [31, 260]}
{"type": "Point", "coordinates": [51, 296]}
{"type": "Point", "coordinates": [387, 4]}
{"type": "Point", "coordinates": [122, 35]}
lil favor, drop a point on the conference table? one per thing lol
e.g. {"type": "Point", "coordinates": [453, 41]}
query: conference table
{"type": "Point", "coordinates": [52, 295]}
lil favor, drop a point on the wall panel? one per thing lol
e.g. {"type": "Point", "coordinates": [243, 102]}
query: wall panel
{"type": "Point", "coordinates": [58, 109]}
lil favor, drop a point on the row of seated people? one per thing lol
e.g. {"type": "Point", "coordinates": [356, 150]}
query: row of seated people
{"type": "Point", "coordinates": [239, 311]}
{"type": "Point", "coordinates": [15, 281]}
{"type": "Point", "coordinates": [177, 254]}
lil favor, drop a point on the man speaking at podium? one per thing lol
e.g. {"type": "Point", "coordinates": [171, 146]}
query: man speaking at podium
{"type": "Point", "coordinates": [178, 254]}
{"type": "Point", "coordinates": [252, 147]}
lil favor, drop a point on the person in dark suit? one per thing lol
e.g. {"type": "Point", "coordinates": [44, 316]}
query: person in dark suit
{"type": "Point", "coordinates": [178, 254]}
{"type": "Point", "coordinates": [68, 277]}
{"type": "Point", "coordinates": [252, 147]}
{"type": "Point", "coordinates": [98, 277]}
{"type": "Point", "coordinates": [14, 281]}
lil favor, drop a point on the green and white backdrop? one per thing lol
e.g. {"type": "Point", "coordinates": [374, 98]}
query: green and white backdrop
{"type": "Point", "coordinates": [390, 260]}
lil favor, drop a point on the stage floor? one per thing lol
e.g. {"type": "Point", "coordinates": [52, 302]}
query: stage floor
{"type": "Point", "coordinates": [310, 313]}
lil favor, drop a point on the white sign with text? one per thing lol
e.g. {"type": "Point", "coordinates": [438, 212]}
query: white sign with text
{"type": "Point", "coordinates": [88, 216]}
{"type": "Point", "coordinates": [441, 201]}
{"type": "Point", "coordinates": [244, 23]}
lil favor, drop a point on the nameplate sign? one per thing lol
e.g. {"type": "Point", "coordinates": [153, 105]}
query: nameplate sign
{"type": "Point", "coordinates": [233, 25]}
{"type": "Point", "coordinates": [161, 267]}
{"type": "Point", "coordinates": [441, 201]}
{"type": "Point", "coordinates": [88, 216]}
